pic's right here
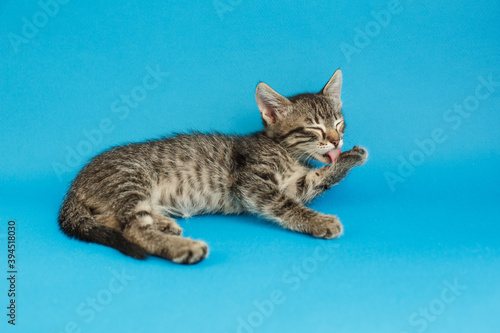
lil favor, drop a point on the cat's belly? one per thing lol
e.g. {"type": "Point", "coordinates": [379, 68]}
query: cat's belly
{"type": "Point", "coordinates": [190, 206]}
{"type": "Point", "coordinates": [188, 201]}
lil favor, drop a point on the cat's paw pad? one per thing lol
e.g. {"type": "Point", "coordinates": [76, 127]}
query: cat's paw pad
{"type": "Point", "coordinates": [357, 154]}
{"type": "Point", "coordinates": [327, 227]}
{"type": "Point", "coordinates": [360, 150]}
{"type": "Point", "coordinates": [191, 253]}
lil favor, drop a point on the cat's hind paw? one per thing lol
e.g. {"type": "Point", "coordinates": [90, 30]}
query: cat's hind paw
{"type": "Point", "coordinates": [171, 229]}
{"type": "Point", "coordinates": [191, 253]}
{"type": "Point", "coordinates": [168, 226]}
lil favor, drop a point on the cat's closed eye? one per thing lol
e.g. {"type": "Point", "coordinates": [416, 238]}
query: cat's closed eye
{"type": "Point", "coordinates": [317, 129]}
{"type": "Point", "coordinates": [340, 126]}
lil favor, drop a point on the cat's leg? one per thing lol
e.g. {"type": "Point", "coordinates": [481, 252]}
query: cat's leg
{"type": "Point", "coordinates": [175, 248]}
{"type": "Point", "coordinates": [337, 171]}
{"type": "Point", "coordinates": [144, 207]}
{"type": "Point", "coordinates": [316, 182]}
{"type": "Point", "coordinates": [166, 224]}
{"type": "Point", "coordinates": [142, 226]}
{"type": "Point", "coordinates": [266, 200]}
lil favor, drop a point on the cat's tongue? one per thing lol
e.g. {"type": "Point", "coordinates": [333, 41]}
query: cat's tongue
{"type": "Point", "coordinates": [334, 154]}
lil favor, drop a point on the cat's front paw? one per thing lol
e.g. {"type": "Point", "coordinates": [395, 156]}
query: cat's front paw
{"type": "Point", "coordinates": [326, 226]}
{"type": "Point", "coordinates": [356, 156]}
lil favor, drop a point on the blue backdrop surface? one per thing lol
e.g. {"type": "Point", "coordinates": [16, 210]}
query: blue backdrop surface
{"type": "Point", "coordinates": [421, 90]}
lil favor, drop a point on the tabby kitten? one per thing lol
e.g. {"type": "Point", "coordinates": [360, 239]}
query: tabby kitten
{"type": "Point", "coordinates": [125, 198]}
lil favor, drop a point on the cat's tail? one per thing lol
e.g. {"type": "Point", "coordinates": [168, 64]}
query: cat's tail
{"type": "Point", "coordinates": [76, 221]}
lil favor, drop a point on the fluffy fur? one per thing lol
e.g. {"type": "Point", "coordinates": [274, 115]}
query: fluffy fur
{"type": "Point", "coordinates": [126, 197]}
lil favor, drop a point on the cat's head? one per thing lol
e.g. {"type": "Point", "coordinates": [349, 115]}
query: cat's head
{"type": "Point", "coordinates": [307, 125]}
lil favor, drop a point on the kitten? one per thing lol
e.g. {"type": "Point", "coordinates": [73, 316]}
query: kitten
{"type": "Point", "coordinates": [125, 197]}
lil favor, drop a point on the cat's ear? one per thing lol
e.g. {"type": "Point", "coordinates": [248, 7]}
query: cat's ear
{"type": "Point", "coordinates": [334, 86]}
{"type": "Point", "coordinates": [273, 106]}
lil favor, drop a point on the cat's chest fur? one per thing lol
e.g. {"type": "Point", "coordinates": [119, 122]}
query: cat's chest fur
{"type": "Point", "coordinates": [203, 175]}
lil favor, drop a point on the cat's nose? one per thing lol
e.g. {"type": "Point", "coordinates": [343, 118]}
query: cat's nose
{"type": "Point", "coordinates": [335, 143]}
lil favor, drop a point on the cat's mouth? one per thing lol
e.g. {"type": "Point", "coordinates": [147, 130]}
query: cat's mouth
{"type": "Point", "coordinates": [328, 157]}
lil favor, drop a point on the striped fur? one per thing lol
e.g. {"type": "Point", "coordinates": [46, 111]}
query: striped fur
{"type": "Point", "coordinates": [128, 196]}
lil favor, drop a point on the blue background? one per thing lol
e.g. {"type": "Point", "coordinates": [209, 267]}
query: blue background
{"type": "Point", "coordinates": [403, 245]}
